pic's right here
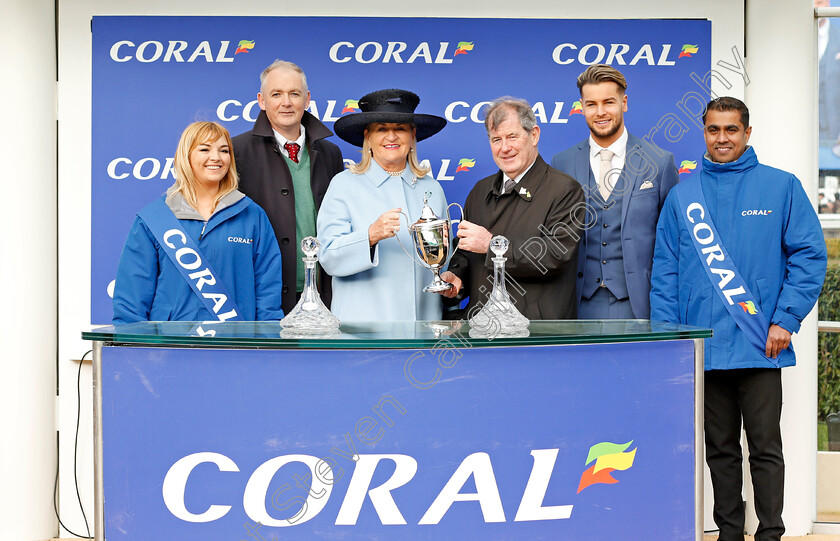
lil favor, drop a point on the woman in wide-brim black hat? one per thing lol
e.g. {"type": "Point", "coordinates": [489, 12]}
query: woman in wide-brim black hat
{"type": "Point", "coordinates": [373, 280]}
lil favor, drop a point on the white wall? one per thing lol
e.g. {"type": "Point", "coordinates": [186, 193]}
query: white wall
{"type": "Point", "coordinates": [782, 97]}
{"type": "Point", "coordinates": [28, 270]}
{"type": "Point", "coordinates": [781, 74]}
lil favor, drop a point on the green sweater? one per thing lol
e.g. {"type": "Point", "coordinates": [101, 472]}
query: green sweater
{"type": "Point", "coordinates": [304, 206]}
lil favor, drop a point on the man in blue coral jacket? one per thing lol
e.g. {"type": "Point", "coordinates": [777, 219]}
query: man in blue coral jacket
{"type": "Point", "coordinates": [739, 249]}
{"type": "Point", "coordinates": [626, 181]}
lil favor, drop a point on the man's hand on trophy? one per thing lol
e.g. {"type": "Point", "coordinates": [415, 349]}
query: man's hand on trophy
{"type": "Point", "coordinates": [385, 226]}
{"type": "Point", "coordinates": [447, 276]}
{"type": "Point", "coordinates": [474, 238]}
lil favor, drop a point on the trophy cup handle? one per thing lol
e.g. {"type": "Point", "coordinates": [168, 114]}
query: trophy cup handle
{"type": "Point", "coordinates": [448, 217]}
{"type": "Point", "coordinates": [408, 223]}
{"type": "Point", "coordinates": [451, 221]}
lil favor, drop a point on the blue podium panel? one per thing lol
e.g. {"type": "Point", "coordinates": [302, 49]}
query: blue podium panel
{"type": "Point", "coordinates": [567, 442]}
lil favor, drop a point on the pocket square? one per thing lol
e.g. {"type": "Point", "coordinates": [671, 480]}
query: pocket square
{"type": "Point", "coordinates": [645, 185]}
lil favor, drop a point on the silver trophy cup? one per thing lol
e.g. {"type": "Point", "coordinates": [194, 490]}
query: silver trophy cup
{"type": "Point", "coordinates": [431, 236]}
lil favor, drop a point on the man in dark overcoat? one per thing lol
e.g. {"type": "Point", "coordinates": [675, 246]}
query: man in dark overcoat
{"type": "Point", "coordinates": [285, 164]}
{"type": "Point", "coordinates": [540, 210]}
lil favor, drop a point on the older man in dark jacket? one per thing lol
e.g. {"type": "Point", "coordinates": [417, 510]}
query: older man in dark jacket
{"type": "Point", "coordinates": [285, 165]}
{"type": "Point", "coordinates": [539, 209]}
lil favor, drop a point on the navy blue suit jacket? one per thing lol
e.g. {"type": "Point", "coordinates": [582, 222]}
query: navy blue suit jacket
{"type": "Point", "coordinates": [644, 164]}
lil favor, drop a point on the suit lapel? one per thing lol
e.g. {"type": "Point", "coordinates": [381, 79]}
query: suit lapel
{"type": "Point", "coordinates": [631, 172]}
{"type": "Point", "coordinates": [582, 174]}
{"type": "Point", "coordinates": [582, 167]}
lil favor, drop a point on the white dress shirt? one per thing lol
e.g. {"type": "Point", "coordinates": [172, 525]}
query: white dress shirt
{"type": "Point", "coordinates": [517, 179]}
{"type": "Point", "coordinates": [281, 141]}
{"type": "Point", "coordinates": [619, 150]}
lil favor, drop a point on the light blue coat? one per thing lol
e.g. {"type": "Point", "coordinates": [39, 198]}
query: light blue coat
{"type": "Point", "coordinates": [388, 287]}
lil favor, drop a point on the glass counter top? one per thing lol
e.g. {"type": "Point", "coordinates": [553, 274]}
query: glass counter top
{"type": "Point", "coordinates": [387, 335]}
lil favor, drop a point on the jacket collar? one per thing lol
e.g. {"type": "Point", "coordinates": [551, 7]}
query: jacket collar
{"type": "Point", "coordinates": [183, 211]}
{"type": "Point", "coordinates": [527, 187]}
{"type": "Point", "coordinates": [315, 129]}
{"type": "Point", "coordinates": [618, 147]}
{"type": "Point", "coordinates": [377, 175]}
{"type": "Point", "coordinates": [747, 161]}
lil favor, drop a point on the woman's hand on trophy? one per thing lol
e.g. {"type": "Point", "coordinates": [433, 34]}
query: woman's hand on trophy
{"type": "Point", "coordinates": [385, 226]}
{"type": "Point", "coordinates": [474, 238]}
{"type": "Point", "coordinates": [447, 276]}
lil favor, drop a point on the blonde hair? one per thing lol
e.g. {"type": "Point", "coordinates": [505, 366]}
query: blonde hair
{"type": "Point", "coordinates": [194, 135]}
{"type": "Point", "coordinates": [367, 155]}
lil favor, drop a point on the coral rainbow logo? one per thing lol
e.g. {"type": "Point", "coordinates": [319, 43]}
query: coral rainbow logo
{"type": "Point", "coordinates": [465, 164]}
{"type": "Point", "coordinates": [608, 458]}
{"type": "Point", "coordinates": [244, 46]}
{"type": "Point", "coordinates": [687, 166]}
{"type": "Point", "coordinates": [577, 108]}
{"type": "Point", "coordinates": [748, 307]}
{"type": "Point", "coordinates": [688, 50]}
{"type": "Point", "coordinates": [350, 106]}
{"type": "Point", "coordinates": [464, 47]}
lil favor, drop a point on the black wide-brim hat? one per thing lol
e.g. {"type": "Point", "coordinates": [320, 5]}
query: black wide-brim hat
{"type": "Point", "coordinates": [391, 105]}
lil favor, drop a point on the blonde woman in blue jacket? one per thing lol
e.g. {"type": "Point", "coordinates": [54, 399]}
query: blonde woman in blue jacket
{"type": "Point", "coordinates": [204, 251]}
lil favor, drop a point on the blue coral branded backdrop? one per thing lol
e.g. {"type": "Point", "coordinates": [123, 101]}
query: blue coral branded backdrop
{"type": "Point", "coordinates": [154, 75]}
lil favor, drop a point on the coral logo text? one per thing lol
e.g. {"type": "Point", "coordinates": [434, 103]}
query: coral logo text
{"type": "Point", "coordinates": [397, 52]}
{"type": "Point", "coordinates": [322, 476]}
{"type": "Point", "coordinates": [320, 480]}
{"type": "Point", "coordinates": [244, 46]}
{"type": "Point", "coordinates": [618, 53]}
{"type": "Point", "coordinates": [705, 236]}
{"type": "Point", "coordinates": [175, 51]}
{"type": "Point", "coordinates": [756, 212]}
{"type": "Point", "coordinates": [445, 172]}
{"type": "Point", "coordinates": [546, 113]}
{"type": "Point", "coordinates": [687, 166]}
{"type": "Point", "coordinates": [240, 240]}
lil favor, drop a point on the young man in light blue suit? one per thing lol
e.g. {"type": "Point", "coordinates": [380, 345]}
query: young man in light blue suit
{"type": "Point", "coordinates": [626, 180]}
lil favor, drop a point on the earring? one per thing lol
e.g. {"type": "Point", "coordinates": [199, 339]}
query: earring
{"type": "Point", "coordinates": [371, 152]}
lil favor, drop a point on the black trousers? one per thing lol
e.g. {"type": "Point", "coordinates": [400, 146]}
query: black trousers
{"type": "Point", "coordinates": [754, 395]}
